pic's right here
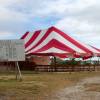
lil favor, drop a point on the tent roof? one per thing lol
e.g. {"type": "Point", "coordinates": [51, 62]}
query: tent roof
{"type": "Point", "coordinates": [54, 42]}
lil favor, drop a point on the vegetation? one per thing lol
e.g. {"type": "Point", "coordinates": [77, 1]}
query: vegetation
{"type": "Point", "coordinates": [37, 86]}
{"type": "Point", "coordinates": [74, 61]}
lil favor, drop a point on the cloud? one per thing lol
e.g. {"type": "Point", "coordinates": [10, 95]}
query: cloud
{"type": "Point", "coordinates": [82, 21]}
{"type": "Point", "coordinates": [5, 35]}
{"type": "Point", "coordinates": [80, 29]}
{"type": "Point", "coordinates": [7, 14]}
{"type": "Point", "coordinates": [80, 18]}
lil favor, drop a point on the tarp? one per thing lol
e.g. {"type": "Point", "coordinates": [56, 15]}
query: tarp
{"type": "Point", "coordinates": [54, 42]}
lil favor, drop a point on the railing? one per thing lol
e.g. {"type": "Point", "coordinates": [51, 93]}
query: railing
{"type": "Point", "coordinates": [69, 67]}
{"type": "Point", "coordinates": [63, 68]}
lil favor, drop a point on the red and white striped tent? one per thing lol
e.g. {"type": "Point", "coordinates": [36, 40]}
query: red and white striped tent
{"type": "Point", "coordinates": [95, 52]}
{"type": "Point", "coordinates": [53, 42]}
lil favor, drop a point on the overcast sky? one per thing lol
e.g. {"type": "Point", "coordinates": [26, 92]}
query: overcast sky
{"type": "Point", "coordinates": [78, 18]}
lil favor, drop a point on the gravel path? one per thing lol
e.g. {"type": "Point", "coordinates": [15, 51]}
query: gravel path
{"type": "Point", "coordinates": [78, 92]}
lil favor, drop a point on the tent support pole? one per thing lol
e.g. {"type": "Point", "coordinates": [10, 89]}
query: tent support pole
{"type": "Point", "coordinates": [18, 72]}
{"type": "Point", "coordinates": [98, 60]}
{"type": "Point", "coordinates": [54, 63]}
{"type": "Point", "coordinates": [98, 63]}
{"type": "Point", "coordinates": [90, 66]}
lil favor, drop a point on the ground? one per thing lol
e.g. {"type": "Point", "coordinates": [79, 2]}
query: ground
{"type": "Point", "coordinates": [86, 89]}
{"type": "Point", "coordinates": [50, 86]}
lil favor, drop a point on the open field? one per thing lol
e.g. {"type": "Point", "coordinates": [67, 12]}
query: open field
{"type": "Point", "coordinates": [40, 86]}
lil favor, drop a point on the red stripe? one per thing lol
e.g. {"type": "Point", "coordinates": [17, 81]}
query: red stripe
{"type": "Point", "coordinates": [61, 55]}
{"type": "Point", "coordinates": [71, 40]}
{"type": "Point", "coordinates": [42, 39]}
{"type": "Point", "coordinates": [32, 38]}
{"type": "Point", "coordinates": [24, 36]}
{"type": "Point", "coordinates": [56, 44]}
{"type": "Point", "coordinates": [48, 54]}
{"type": "Point", "coordinates": [86, 57]}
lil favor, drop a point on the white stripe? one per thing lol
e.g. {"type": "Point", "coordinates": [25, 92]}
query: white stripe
{"type": "Point", "coordinates": [42, 33]}
{"type": "Point", "coordinates": [52, 50]}
{"type": "Point", "coordinates": [92, 49]}
{"type": "Point", "coordinates": [58, 37]}
{"type": "Point", "coordinates": [88, 47]}
{"type": "Point", "coordinates": [30, 34]}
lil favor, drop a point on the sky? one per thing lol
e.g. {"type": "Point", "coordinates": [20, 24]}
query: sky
{"type": "Point", "coordinates": [78, 18]}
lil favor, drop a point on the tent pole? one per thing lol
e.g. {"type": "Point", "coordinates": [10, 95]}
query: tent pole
{"type": "Point", "coordinates": [90, 65]}
{"type": "Point", "coordinates": [98, 63]}
{"type": "Point", "coordinates": [54, 63]}
{"type": "Point", "coordinates": [98, 60]}
{"type": "Point", "coordinates": [54, 60]}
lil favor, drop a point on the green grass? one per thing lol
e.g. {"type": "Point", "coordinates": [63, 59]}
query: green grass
{"type": "Point", "coordinates": [37, 86]}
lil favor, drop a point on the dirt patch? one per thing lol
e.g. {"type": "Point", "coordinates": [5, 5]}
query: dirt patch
{"type": "Point", "coordinates": [79, 91]}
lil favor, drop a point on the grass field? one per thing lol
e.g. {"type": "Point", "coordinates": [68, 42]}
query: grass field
{"type": "Point", "coordinates": [37, 86]}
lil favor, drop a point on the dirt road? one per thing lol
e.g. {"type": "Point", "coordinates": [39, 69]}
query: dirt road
{"type": "Point", "coordinates": [79, 91]}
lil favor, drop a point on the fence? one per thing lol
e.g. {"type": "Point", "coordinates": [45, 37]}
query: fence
{"type": "Point", "coordinates": [63, 68]}
{"type": "Point", "coordinates": [69, 67]}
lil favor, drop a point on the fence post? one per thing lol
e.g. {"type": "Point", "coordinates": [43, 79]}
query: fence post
{"type": "Point", "coordinates": [18, 72]}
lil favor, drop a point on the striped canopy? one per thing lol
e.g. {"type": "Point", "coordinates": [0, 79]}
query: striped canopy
{"type": "Point", "coordinates": [54, 42]}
